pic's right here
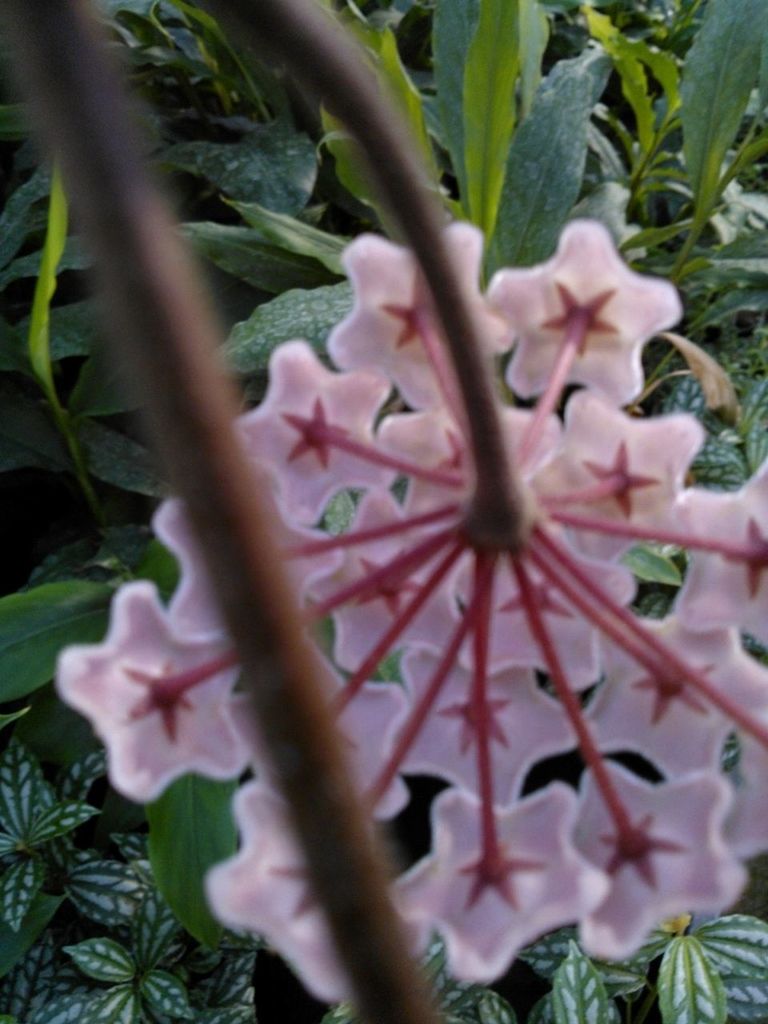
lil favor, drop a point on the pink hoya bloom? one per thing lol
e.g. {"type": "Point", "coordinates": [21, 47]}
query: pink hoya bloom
{"type": "Point", "coordinates": [583, 317]}
{"type": "Point", "coordinates": [393, 326]}
{"type": "Point", "coordinates": [162, 705]}
{"type": "Point", "coordinates": [475, 663]}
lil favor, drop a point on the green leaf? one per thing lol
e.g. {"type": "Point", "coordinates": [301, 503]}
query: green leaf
{"type": "Point", "coordinates": [296, 314]}
{"type": "Point", "coordinates": [59, 820]}
{"type": "Point", "coordinates": [119, 460]}
{"type": "Point", "coordinates": [166, 995]}
{"type": "Point", "coordinates": [190, 829]}
{"type": "Point", "coordinates": [546, 955]}
{"type": "Point", "coordinates": [103, 959]}
{"type": "Point", "coordinates": [756, 446]}
{"type": "Point", "coordinates": [719, 466]}
{"type": "Point", "coordinates": [14, 944]}
{"type": "Point", "coordinates": [38, 339]}
{"type": "Point", "coordinates": [101, 388]}
{"type": "Point", "coordinates": [18, 220]}
{"type": "Point", "coordinates": [294, 235]}
{"type": "Point", "coordinates": [690, 989]}
{"type": "Point", "coordinates": [533, 38]}
{"type": "Point", "coordinates": [578, 994]}
{"type": "Point", "coordinates": [12, 716]}
{"type": "Point", "coordinates": [492, 1009]}
{"type": "Point", "coordinates": [720, 71]}
{"type": "Point", "coordinates": [546, 161]}
{"type": "Point", "coordinates": [620, 980]}
{"type": "Point", "coordinates": [106, 891]}
{"type": "Point", "coordinates": [74, 257]}
{"type": "Point", "coordinates": [747, 1000]}
{"type": "Point", "coordinates": [118, 1005]}
{"type": "Point", "coordinates": [455, 22]}
{"type": "Point", "coordinates": [74, 781]}
{"type": "Point", "coordinates": [652, 566]}
{"type": "Point", "coordinates": [23, 790]}
{"type": "Point", "coordinates": [28, 437]}
{"type": "Point", "coordinates": [153, 929]}
{"type": "Point", "coordinates": [242, 253]}
{"type": "Point", "coordinates": [37, 624]}
{"type": "Point", "coordinates": [396, 81]}
{"type": "Point", "coordinates": [736, 945]}
{"type": "Point", "coordinates": [493, 63]}
{"type": "Point", "coordinates": [67, 1009]}
{"type": "Point", "coordinates": [631, 57]}
{"type": "Point", "coordinates": [273, 165]}
{"type": "Point", "coordinates": [19, 884]}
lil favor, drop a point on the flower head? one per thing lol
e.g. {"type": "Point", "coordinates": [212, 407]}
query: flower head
{"type": "Point", "coordinates": [471, 661]}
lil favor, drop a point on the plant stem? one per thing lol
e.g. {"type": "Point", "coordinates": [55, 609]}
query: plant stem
{"type": "Point", "coordinates": [162, 325]}
{"type": "Point", "coordinates": [329, 65]}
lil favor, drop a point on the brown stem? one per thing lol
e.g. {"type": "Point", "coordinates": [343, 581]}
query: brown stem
{"type": "Point", "coordinates": [162, 325]}
{"type": "Point", "coordinates": [331, 67]}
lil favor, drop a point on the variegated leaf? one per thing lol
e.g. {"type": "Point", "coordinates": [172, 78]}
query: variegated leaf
{"type": "Point", "coordinates": [690, 989]}
{"type": "Point", "coordinates": [23, 790]}
{"type": "Point", "coordinates": [578, 994]}
{"type": "Point", "coordinates": [67, 1009]}
{"type": "Point", "coordinates": [231, 983]}
{"type": "Point", "coordinates": [546, 955]}
{"type": "Point", "coordinates": [103, 959]}
{"type": "Point", "coordinates": [58, 820]}
{"type": "Point", "coordinates": [18, 887]}
{"type": "Point", "coordinates": [106, 891]}
{"type": "Point", "coordinates": [153, 930]}
{"type": "Point", "coordinates": [747, 1000]}
{"type": "Point", "coordinates": [166, 995]}
{"type": "Point", "coordinates": [76, 779]}
{"type": "Point", "coordinates": [118, 1005]}
{"type": "Point", "coordinates": [736, 945]}
{"type": "Point", "coordinates": [227, 1015]}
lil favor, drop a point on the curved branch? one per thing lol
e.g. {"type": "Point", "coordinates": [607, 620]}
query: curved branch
{"type": "Point", "coordinates": [163, 329]}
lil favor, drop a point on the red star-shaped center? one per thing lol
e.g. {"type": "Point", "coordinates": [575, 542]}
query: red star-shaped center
{"type": "Point", "coordinates": [666, 689]}
{"type": "Point", "coordinates": [165, 699]}
{"type": "Point", "coordinates": [587, 314]}
{"type": "Point", "coordinates": [623, 481]}
{"type": "Point", "coordinates": [470, 719]}
{"type": "Point", "coordinates": [315, 434]}
{"type": "Point", "coordinates": [411, 318]}
{"type": "Point", "coordinates": [494, 870]}
{"type": "Point", "coordinates": [634, 847]}
{"type": "Point", "coordinates": [392, 591]}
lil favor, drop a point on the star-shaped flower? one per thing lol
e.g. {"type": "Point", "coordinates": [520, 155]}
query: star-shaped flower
{"type": "Point", "coordinates": [586, 287]}
{"type": "Point", "coordinates": [162, 705]}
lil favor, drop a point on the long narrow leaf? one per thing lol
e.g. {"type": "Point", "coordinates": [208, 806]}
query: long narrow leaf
{"type": "Point", "coordinates": [39, 324]}
{"type": "Point", "coordinates": [490, 77]}
{"type": "Point", "coordinates": [720, 71]}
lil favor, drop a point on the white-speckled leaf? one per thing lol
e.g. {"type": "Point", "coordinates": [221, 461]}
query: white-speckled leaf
{"type": "Point", "coordinates": [747, 1000]}
{"type": "Point", "coordinates": [103, 959]}
{"type": "Point", "coordinates": [736, 945]}
{"type": "Point", "coordinates": [690, 989]}
{"type": "Point", "coordinates": [58, 820]}
{"type": "Point", "coordinates": [578, 993]}
{"type": "Point", "coordinates": [166, 995]}
{"type": "Point", "coordinates": [105, 891]}
{"type": "Point", "coordinates": [18, 886]}
{"type": "Point", "coordinates": [23, 790]}
{"type": "Point", "coordinates": [546, 955]}
{"type": "Point", "coordinates": [153, 930]}
{"type": "Point", "coordinates": [118, 1005]}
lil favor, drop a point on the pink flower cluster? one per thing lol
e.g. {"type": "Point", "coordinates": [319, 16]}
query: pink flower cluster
{"type": "Point", "coordinates": [506, 658]}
